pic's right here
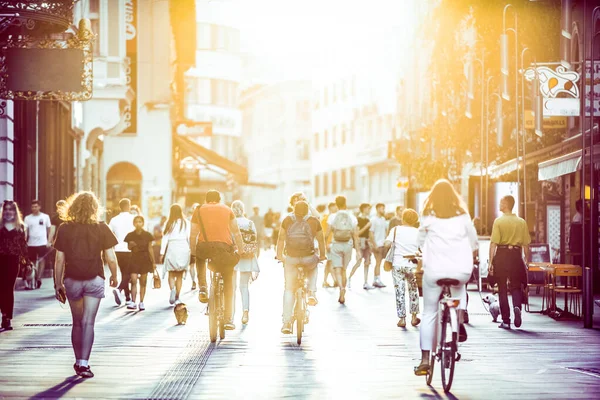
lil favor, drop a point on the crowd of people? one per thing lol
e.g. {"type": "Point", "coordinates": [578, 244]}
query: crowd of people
{"type": "Point", "coordinates": [222, 238]}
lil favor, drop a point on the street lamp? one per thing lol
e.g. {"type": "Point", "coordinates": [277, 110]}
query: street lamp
{"type": "Point", "coordinates": [499, 133]}
{"type": "Point", "coordinates": [471, 96]}
{"type": "Point", "coordinates": [504, 68]}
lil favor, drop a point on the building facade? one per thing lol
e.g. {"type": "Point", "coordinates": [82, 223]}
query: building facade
{"type": "Point", "coordinates": [277, 121]}
{"type": "Point", "coordinates": [352, 124]}
{"type": "Point", "coordinates": [137, 156]}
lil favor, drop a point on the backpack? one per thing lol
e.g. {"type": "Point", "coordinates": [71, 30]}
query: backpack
{"type": "Point", "coordinates": [300, 239]}
{"type": "Point", "coordinates": [250, 241]}
{"type": "Point", "coordinates": [342, 227]}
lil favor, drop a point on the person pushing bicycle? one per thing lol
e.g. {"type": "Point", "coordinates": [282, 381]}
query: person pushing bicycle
{"type": "Point", "coordinates": [296, 247]}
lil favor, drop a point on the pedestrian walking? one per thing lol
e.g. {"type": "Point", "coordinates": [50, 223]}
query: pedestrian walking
{"type": "Point", "coordinates": [449, 243]}
{"type": "Point", "coordinates": [268, 220]}
{"type": "Point", "coordinates": [364, 228]}
{"type": "Point", "coordinates": [404, 241]}
{"type": "Point", "coordinates": [157, 233]}
{"type": "Point", "coordinates": [79, 273]}
{"type": "Point", "coordinates": [192, 267]}
{"type": "Point", "coordinates": [328, 270]}
{"type": "Point", "coordinates": [13, 254]}
{"type": "Point", "coordinates": [396, 219]}
{"type": "Point", "coordinates": [509, 242]}
{"type": "Point", "coordinates": [39, 239]}
{"type": "Point", "coordinates": [121, 225]}
{"type": "Point", "coordinates": [175, 249]}
{"type": "Point", "coordinates": [247, 267]}
{"type": "Point", "coordinates": [343, 225]}
{"type": "Point", "coordinates": [214, 238]}
{"type": "Point", "coordinates": [142, 261]}
{"type": "Point", "coordinates": [259, 224]}
{"type": "Point", "coordinates": [377, 235]}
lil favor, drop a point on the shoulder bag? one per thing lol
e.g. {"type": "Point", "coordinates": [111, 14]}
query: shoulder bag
{"type": "Point", "coordinates": [389, 257]}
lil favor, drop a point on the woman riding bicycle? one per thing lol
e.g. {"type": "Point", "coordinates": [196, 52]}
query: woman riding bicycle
{"type": "Point", "coordinates": [448, 240]}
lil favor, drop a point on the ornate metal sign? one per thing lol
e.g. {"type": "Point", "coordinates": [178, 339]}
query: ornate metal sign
{"type": "Point", "coordinates": [554, 83]}
{"type": "Point", "coordinates": [47, 69]}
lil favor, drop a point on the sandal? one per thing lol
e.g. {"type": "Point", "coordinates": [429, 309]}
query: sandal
{"type": "Point", "coordinates": [422, 369]}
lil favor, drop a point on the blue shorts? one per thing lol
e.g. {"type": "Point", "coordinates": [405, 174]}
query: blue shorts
{"type": "Point", "coordinates": [78, 289]}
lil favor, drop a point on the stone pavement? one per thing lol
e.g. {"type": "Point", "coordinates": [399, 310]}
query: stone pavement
{"type": "Point", "coordinates": [349, 351]}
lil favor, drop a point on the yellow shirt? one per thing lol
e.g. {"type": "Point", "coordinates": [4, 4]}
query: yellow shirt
{"type": "Point", "coordinates": [510, 229]}
{"type": "Point", "coordinates": [324, 219]}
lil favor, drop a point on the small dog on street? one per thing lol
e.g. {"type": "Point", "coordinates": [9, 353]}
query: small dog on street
{"type": "Point", "coordinates": [181, 313]}
{"type": "Point", "coordinates": [494, 306]}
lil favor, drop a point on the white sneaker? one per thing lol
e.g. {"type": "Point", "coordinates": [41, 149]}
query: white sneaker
{"type": "Point", "coordinates": [131, 305]}
{"type": "Point", "coordinates": [366, 286]}
{"type": "Point", "coordinates": [172, 297]}
{"type": "Point", "coordinates": [142, 307]}
{"type": "Point", "coordinates": [348, 284]}
{"type": "Point", "coordinates": [377, 283]}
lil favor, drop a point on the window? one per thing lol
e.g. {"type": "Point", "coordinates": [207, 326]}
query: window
{"type": "Point", "coordinates": [325, 184]}
{"type": "Point", "coordinates": [325, 139]}
{"type": "Point", "coordinates": [302, 146]}
{"type": "Point", "coordinates": [94, 6]}
{"type": "Point", "coordinates": [317, 186]}
{"type": "Point", "coordinates": [344, 180]}
{"type": "Point", "coordinates": [343, 141]}
{"type": "Point", "coordinates": [334, 183]}
{"type": "Point", "coordinates": [217, 38]}
{"type": "Point", "coordinates": [96, 29]}
{"type": "Point", "coordinates": [316, 141]}
{"type": "Point", "coordinates": [205, 91]}
{"type": "Point", "coordinates": [334, 136]}
{"type": "Point", "coordinates": [114, 36]}
{"type": "Point", "coordinates": [352, 185]}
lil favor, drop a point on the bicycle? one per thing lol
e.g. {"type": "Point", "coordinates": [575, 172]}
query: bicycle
{"type": "Point", "coordinates": [301, 313]}
{"type": "Point", "coordinates": [447, 334]}
{"type": "Point", "coordinates": [216, 307]}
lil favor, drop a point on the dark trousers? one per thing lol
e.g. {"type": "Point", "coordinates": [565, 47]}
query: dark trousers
{"type": "Point", "coordinates": [9, 269]}
{"type": "Point", "coordinates": [124, 261]}
{"type": "Point", "coordinates": [228, 284]}
{"type": "Point", "coordinates": [509, 267]}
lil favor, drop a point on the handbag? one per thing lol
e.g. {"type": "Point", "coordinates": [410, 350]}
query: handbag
{"type": "Point", "coordinates": [389, 257]}
{"type": "Point", "coordinates": [156, 282]}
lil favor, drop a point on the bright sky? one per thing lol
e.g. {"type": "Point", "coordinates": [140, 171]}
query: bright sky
{"type": "Point", "coordinates": [324, 39]}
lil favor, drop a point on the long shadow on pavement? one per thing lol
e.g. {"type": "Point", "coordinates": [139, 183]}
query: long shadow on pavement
{"type": "Point", "coordinates": [59, 390]}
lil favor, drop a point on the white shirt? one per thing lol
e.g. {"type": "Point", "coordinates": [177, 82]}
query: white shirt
{"type": "Point", "coordinates": [406, 243]}
{"type": "Point", "coordinates": [177, 234]}
{"type": "Point", "coordinates": [448, 245]}
{"type": "Point", "coordinates": [353, 220]}
{"type": "Point", "coordinates": [37, 225]}
{"type": "Point", "coordinates": [379, 229]}
{"type": "Point", "coordinates": [121, 225]}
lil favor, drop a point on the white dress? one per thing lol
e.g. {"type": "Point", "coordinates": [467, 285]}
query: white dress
{"type": "Point", "coordinates": [176, 244]}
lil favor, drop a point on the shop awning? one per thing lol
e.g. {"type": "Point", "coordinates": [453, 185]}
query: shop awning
{"type": "Point", "coordinates": [564, 165]}
{"type": "Point", "coordinates": [210, 159]}
{"type": "Point", "coordinates": [503, 169]}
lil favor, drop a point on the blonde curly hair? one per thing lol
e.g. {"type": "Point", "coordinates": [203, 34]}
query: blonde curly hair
{"type": "Point", "coordinates": [82, 208]}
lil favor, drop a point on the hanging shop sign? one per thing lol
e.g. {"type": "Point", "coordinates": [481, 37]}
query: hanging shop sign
{"type": "Point", "coordinates": [131, 61]}
{"type": "Point", "coordinates": [549, 123]}
{"type": "Point", "coordinates": [553, 83]}
{"type": "Point", "coordinates": [195, 128]}
{"type": "Point", "coordinates": [47, 69]}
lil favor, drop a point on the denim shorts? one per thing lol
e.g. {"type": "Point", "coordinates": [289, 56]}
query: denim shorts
{"type": "Point", "coordinates": [78, 289]}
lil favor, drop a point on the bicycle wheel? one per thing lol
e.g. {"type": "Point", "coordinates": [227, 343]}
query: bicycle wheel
{"type": "Point", "coordinates": [221, 308]}
{"type": "Point", "coordinates": [299, 317]}
{"type": "Point", "coordinates": [212, 315]}
{"type": "Point", "coordinates": [448, 351]}
{"type": "Point", "coordinates": [429, 376]}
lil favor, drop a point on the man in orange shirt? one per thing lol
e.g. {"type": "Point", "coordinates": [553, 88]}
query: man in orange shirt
{"type": "Point", "coordinates": [213, 226]}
